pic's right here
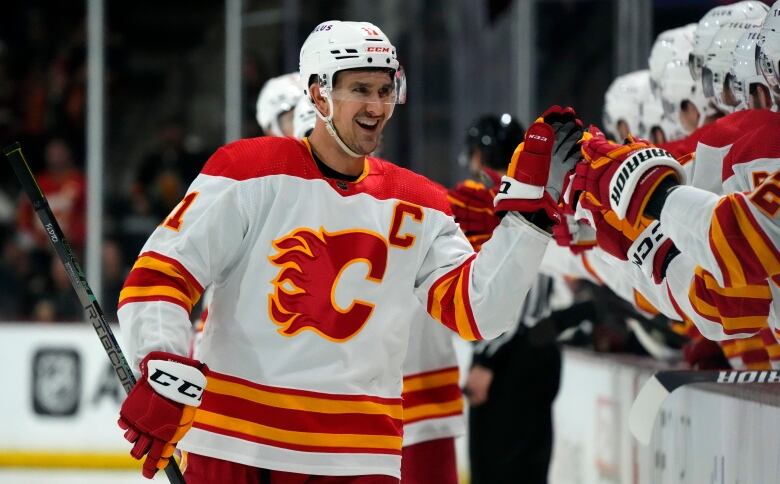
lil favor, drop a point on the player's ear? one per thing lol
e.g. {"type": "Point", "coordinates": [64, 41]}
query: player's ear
{"type": "Point", "coordinates": [320, 103]}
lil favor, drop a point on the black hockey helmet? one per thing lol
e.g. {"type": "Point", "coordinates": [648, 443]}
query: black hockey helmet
{"type": "Point", "coordinates": [496, 136]}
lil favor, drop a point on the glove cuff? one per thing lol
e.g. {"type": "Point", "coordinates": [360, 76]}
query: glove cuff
{"type": "Point", "coordinates": [175, 377]}
{"type": "Point", "coordinates": [649, 251]}
{"type": "Point", "coordinates": [631, 171]}
{"type": "Point", "coordinates": [511, 188]}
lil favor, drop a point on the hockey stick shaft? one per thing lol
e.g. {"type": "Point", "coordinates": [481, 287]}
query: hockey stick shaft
{"type": "Point", "coordinates": [658, 387]}
{"type": "Point", "coordinates": [77, 279]}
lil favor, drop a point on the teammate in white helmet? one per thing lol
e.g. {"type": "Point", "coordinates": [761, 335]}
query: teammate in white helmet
{"type": "Point", "coordinates": [304, 117]}
{"type": "Point", "coordinates": [748, 85]}
{"type": "Point", "coordinates": [709, 25]}
{"type": "Point", "coordinates": [768, 52]}
{"type": "Point", "coordinates": [622, 102]}
{"type": "Point", "coordinates": [670, 45]}
{"type": "Point", "coordinates": [314, 249]}
{"type": "Point", "coordinates": [275, 104]}
{"type": "Point", "coordinates": [716, 73]}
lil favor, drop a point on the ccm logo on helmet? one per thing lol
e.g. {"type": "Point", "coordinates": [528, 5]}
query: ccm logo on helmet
{"type": "Point", "coordinates": [536, 136]}
{"type": "Point", "coordinates": [374, 48]}
{"type": "Point", "coordinates": [631, 165]}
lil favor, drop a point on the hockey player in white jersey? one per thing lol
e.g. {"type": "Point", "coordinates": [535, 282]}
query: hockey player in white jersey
{"type": "Point", "coordinates": [314, 249]}
{"type": "Point", "coordinates": [432, 399]}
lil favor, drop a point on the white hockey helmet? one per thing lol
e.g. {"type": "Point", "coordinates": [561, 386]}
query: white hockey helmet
{"type": "Point", "coordinates": [709, 25]}
{"type": "Point", "coordinates": [622, 102]}
{"type": "Point", "coordinates": [278, 96]}
{"type": "Point", "coordinates": [650, 114]}
{"type": "Point", "coordinates": [304, 118]}
{"type": "Point", "coordinates": [745, 71]}
{"type": "Point", "coordinates": [335, 46]}
{"type": "Point", "coordinates": [768, 51]}
{"type": "Point", "coordinates": [670, 45]}
{"type": "Point", "coordinates": [718, 61]}
{"type": "Point", "coordinates": [652, 118]}
{"type": "Point", "coordinates": [677, 86]}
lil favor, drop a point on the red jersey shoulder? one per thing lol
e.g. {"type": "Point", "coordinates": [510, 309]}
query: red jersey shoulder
{"type": "Point", "coordinates": [760, 143]}
{"type": "Point", "coordinates": [258, 157]}
{"type": "Point", "coordinates": [722, 132]}
{"type": "Point", "coordinates": [680, 148]}
{"type": "Point", "coordinates": [393, 181]}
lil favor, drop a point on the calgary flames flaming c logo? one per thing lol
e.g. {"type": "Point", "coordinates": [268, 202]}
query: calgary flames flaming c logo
{"type": "Point", "coordinates": [311, 265]}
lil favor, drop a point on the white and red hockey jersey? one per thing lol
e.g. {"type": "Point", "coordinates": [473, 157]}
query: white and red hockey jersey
{"type": "Point", "coordinates": [432, 398]}
{"type": "Point", "coordinates": [689, 292]}
{"type": "Point", "coordinates": [309, 322]}
{"type": "Point", "coordinates": [734, 241]}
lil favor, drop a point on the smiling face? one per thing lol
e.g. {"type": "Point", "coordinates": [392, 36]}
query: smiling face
{"type": "Point", "coordinates": [362, 104]}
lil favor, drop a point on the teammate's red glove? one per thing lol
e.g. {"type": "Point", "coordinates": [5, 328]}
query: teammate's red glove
{"type": "Point", "coordinates": [535, 177]}
{"type": "Point", "coordinates": [703, 354]}
{"type": "Point", "coordinates": [160, 408]}
{"type": "Point", "coordinates": [577, 235]}
{"type": "Point", "coordinates": [623, 178]}
{"type": "Point", "coordinates": [472, 206]}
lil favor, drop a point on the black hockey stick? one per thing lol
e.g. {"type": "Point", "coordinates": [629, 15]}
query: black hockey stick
{"type": "Point", "coordinates": [78, 280]}
{"type": "Point", "coordinates": [648, 403]}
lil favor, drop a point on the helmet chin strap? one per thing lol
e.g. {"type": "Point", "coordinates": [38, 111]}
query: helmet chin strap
{"type": "Point", "coordinates": [328, 120]}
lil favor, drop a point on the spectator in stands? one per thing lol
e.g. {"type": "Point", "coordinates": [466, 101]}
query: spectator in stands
{"type": "Point", "coordinates": [65, 188]}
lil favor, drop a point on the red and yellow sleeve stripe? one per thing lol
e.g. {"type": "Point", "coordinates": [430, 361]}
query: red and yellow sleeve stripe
{"type": "Point", "coordinates": [744, 253]}
{"type": "Point", "coordinates": [299, 419]}
{"type": "Point", "coordinates": [772, 346]}
{"type": "Point", "coordinates": [477, 240]}
{"type": "Point", "coordinates": [432, 394]}
{"type": "Point", "coordinates": [448, 302]}
{"type": "Point", "coordinates": [641, 302]}
{"type": "Point", "coordinates": [740, 310]}
{"type": "Point", "coordinates": [749, 353]}
{"type": "Point", "coordinates": [156, 277]}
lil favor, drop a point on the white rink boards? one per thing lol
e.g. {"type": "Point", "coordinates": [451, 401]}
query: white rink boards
{"type": "Point", "coordinates": [702, 434]}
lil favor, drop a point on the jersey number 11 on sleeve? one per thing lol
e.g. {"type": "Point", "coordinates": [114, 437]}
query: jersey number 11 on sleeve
{"type": "Point", "coordinates": [174, 221]}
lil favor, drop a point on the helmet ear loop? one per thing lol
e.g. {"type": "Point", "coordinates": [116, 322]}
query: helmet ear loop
{"type": "Point", "coordinates": [328, 120]}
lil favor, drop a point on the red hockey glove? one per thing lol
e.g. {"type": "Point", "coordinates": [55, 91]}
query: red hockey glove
{"type": "Point", "coordinates": [577, 235]}
{"type": "Point", "coordinates": [623, 178]}
{"type": "Point", "coordinates": [472, 206]}
{"type": "Point", "coordinates": [703, 354]}
{"type": "Point", "coordinates": [160, 408]}
{"type": "Point", "coordinates": [535, 177]}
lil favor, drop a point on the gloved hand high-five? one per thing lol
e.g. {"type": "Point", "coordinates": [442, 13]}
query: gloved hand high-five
{"type": "Point", "coordinates": [624, 178]}
{"type": "Point", "coordinates": [160, 408]}
{"type": "Point", "coordinates": [616, 183]}
{"type": "Point", "coordinates": [535, 177]}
